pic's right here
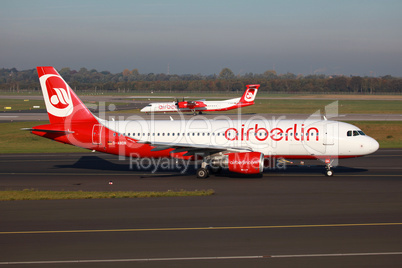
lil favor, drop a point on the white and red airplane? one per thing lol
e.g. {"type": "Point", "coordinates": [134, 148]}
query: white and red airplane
{"type": "Point", "coordinates": [239, 145]}
{"type": "Point", "coordinates": [200, 106]}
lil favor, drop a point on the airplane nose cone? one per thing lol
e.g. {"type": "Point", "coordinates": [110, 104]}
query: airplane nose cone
{"type": "Point", "coordinates": [373, 146]}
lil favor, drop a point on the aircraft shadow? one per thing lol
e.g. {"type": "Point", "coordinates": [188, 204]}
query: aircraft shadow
{"type": "Point", "coordinates": [185, 168]}
{"type": "Point", "coordinates": [101, 164]}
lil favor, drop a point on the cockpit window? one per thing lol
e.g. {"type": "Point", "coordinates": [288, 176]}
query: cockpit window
{"type": "Point", "coordinates": [355, 133]}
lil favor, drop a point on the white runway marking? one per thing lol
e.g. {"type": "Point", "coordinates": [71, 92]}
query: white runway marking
{"type": "Point", "coordinates": [207, 258]}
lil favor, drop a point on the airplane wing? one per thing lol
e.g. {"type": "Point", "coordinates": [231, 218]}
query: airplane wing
{"type": "Point", "coordinates": [192, 149]}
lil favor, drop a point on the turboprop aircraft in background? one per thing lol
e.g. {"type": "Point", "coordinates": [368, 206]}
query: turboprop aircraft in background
{"type": "Point", "coordinates": [200, 106]}
{"type": "Point", "coordinates": [239, 145]}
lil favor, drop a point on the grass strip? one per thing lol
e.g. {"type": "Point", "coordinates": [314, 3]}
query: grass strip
{"type": "Point", "coordinates": [31, 194]}
{"type": "Point", "coordinates": [387, 133]}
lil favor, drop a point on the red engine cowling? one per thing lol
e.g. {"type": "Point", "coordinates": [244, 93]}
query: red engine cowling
{"type": "Point", "coordinates": [182, 104]}
{"type": "Point", "coordinates": [245, 163]}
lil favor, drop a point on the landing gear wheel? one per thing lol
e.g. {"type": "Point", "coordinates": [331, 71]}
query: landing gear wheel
{"type": "Point", "coordinates": [202, 173]}
{"type": "Point", "coordinates": [329, 173]}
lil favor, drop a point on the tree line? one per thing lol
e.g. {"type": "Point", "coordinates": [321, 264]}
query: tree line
{"type": "Point", "coordinates": [12, 80]}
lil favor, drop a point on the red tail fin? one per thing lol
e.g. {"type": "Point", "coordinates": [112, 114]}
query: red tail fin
{"type": "Point", "coordinates": [249, 94]}
{"type": "Point", "coordinates": [62, 105]}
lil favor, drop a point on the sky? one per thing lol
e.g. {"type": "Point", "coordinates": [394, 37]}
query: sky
{"type": "Point", "coordinates": [350, 37]}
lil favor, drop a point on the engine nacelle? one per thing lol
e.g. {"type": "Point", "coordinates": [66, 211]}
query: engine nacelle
{"type": "Point", "coordinates": [245, 163]}
{"type": "Point", "coordinates": [182, 104]}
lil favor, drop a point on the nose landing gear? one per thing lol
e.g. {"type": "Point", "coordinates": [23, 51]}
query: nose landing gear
{"type": "Point", "coordinates": [328, 171]}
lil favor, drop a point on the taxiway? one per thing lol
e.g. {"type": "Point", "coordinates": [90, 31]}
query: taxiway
{"type": "Point", "coordinates": [290, 217]}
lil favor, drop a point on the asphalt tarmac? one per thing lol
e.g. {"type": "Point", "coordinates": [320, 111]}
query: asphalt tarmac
{"type": "Point", "coordinates": [290, 217]}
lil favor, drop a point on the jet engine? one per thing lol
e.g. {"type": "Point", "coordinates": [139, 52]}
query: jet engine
{"type": "Point", "coordinates": [245, 163]}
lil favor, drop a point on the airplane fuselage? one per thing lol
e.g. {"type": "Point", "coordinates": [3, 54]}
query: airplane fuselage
{"type": "Point", "coordinates": [210, 106]}
{"type": "Point", "coordinates": [292, 139]}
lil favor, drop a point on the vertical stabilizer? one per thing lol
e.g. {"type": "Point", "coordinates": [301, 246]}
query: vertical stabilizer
{"type": "Point", "coordinates": [249, 94]}
{"type": "Point", "coordinates": [62, 105]}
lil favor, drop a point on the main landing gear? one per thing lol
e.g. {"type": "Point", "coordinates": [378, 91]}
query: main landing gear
{"type": "Point", "coordinates": [203, 172]}
{"type": "Point", "coordinates": [209, 165]}
{"type": "Point", "coordinates": [328, 171]}
{"type": "Point", "coordinates": [195, 112]}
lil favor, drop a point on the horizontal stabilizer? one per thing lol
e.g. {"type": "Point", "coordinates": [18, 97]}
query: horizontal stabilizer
{"type": "Point", "coordinates": [49, 130]}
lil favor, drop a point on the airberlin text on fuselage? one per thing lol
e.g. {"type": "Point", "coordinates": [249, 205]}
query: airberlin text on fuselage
{"type": "Point", "coordinates": [167, 106]}
{"type": "Point", "coordinates": [276, 134]}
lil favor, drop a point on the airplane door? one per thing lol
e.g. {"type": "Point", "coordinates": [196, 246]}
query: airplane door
{"type": "Point", "coordinates": [97, 134]}
{"type": "Point", "coordinates": [329, 133]}
{"type": "Point", "coordinates": [331, 139]}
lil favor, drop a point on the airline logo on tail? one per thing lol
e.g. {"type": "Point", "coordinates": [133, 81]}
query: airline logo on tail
{"type": "Point", "coordinates": [249, 96]}
{"type": "Point", "coordinates": [250, 93]}
{"type": "Point", "coordinates": [57, 95]}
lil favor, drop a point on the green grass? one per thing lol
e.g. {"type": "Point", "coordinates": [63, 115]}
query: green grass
{"type": "Point", "coordinates": [20, 105]}
{"type": "Point", "coordinates": [30, 194]}
{"type": "Point", "coordinates": [14, 140]}
{"type": "Point", "coordinates": [387, 133]}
